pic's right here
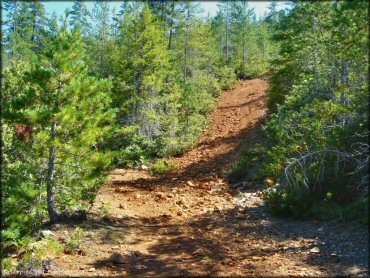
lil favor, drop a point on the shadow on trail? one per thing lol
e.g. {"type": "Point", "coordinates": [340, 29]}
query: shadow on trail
{"type": "Point", "coordinates": [254, 102]}
{"type": "Point", "coordinates": [216, 240]}
{"type": "Point", "coordinates": [228, 242]}
{"type": "Point", "coordinates": [201, 170]}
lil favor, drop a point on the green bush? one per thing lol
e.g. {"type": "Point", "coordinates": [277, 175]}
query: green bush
{"type": "Point", "coordinates": [227, 77]}
{"type": "Point", "coordinates": [74, 241]}
{"type": "Point", "coordinates": [301, 203]}
{"type": "Point", "coordinates": [250, 70]}
{"type": "Point", "coordinates": [288, 203]}
{"type": "Point", "coordinates": [132, 154]}
{"type": "Point", "coordinates": [6, 265]}
{"type": "Point", "coordinates": [162, 166]}
{"type": "Point", "coordinates": [249, 165]}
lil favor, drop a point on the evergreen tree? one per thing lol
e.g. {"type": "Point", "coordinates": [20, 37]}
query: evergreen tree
{"type": "Point", "coordinates": [79, 17]}
{"type": "Point", "coordinates": [60, 102]}
{"type": "Point", "coordinates": [100, 41]}
{"type": "Point", "coordinates": [24, 30]}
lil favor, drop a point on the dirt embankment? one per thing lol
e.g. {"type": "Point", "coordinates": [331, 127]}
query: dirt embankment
{"type": "Point", "coordinates": [190, 222]}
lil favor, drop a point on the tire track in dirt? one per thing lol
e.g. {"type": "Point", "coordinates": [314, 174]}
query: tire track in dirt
{"type": "Point", "coordinates": [189, 223]}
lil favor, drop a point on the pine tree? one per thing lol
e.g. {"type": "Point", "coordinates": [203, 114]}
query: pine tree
{"type": "Point", "coordinates": [61, 102]}
{"type": "Point", "coordinates": [79, 17]}
{"type": "Point", "coordinates": [24, 29]}
{"type": "Point", "coordinates": [100, 41]}
{"type": "Point", "coordinates": [142, 67]}
{"type": "Point", "coordinates": [225, 8]}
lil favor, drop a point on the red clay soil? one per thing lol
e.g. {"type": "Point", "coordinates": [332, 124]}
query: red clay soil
{"type": "Point", "coordinates": [191, 223]}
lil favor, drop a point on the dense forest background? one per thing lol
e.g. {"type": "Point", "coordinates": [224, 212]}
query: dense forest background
{"type": "Point", "coordinates": [99, 89]}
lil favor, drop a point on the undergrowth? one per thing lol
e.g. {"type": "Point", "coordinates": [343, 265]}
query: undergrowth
{"type": "Point", "coordinates": [162, 166]}
{"type": "Point", "coordinates": [333, 198]}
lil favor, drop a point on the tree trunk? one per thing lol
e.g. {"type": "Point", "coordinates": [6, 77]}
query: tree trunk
{"type": "Point", "coordinates": [244, 52]}
{"type": "Point", "coordinates": [171, 24]}
{"type": "Point", "coordinates": [227, 32]}
{"type": "Point", "coordinates": [53, 215]}
{"type": "Point", "coordinates": [344, 81]}
{"type": "Point", "coordinates": [170, 36]}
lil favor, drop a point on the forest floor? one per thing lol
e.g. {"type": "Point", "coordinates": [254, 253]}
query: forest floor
{"type": "Point", "coordinates": [191, 222]}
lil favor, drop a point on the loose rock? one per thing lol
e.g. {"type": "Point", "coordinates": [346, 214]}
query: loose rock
{"type": "Point", "coordinates": [46, 233]}
{"type": "Point", "coordinates": [315, 250]}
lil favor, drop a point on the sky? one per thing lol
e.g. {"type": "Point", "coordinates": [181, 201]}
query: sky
{"type": "Point", "coordinates": [208, 6]}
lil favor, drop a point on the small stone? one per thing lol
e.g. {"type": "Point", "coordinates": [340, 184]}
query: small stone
{"type": "Point", "coordinates": [218, 209]}
{"type": "Point", "coordinates": [179, 213]}
{"type": "Point", "coordinates": [92, 269]}
{"type": "Point", "coordinates": [46, 234]}
{"type": "Point", "coordinates": [269, 182]}
{"type": "Point", "coordinates": [115, 247]}
{"type": "Point", "coordinates": [199, 252]}
{"type": "Point", "coordinates": [141, 266]}
{"type": "Point", "coordinates": [220, 181]}
{"type": "Point", "coordinates": [160, 195]}
{"type": "Point", "coordinates": [81, 268]}
{"type": "Point", "coordinates": [190, 183]}
{"type": "Point", "coordinates": [55, 227]}
{"type": "Point", "coordinates": [315, 250]}
{"type": "Point", "coordinates": [144, 167]}
{"type": "Point", "coordinates": [180, 202]}
{"type": "Point", "coordinates": [170, 195]}
{"type": "Point", "coordinates": [137, 196]}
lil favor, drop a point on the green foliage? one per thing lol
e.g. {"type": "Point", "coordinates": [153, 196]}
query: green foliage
{"type": "Point", "coordinates": [46, 249]}
{"type": "Point", "coordinates": [161, 166]}
{"type": "Point", "coordinates": [6, 265]}
{"type": "Point", "coordinates": [56, 91]}
{"type": "Point", "coordinates": [291, 203]}
{"type": "Point", "coordinates": [252, 69]}
{"type": "Point", "coordinates": [132, 154]}
{"type": "Point", "coordinates": [300, 204]}
{"type": "Point", "coordinates": [249, 165]}
{"type": "Point", "coordinates": [104, 210]}
{"type": "Point", "coordinates": [99, 89]}
{"type": "Point", "coordinates": [227, 77]}
{"type": "Point", "coordinates": [74, 242]}
{"type": "Point", "coordinates": [317, 91]}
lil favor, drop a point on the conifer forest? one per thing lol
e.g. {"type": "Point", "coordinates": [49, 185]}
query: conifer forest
{"type": "Point", "coordinates": [155, 138]}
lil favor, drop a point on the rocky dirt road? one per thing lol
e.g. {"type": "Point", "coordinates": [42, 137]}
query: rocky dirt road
{"type": "Point", "coordinates": [191, 223]}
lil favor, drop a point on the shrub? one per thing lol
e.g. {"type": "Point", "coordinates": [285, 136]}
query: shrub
{"type": "Point", "coordinates": [74, 241]}
{"type": "Point", "coordinates": [227, 77]}
{"type": "Point", "coordinates": [251, 70]}
{"type": "Point", "coordinates": [104, 210]}
{"type": "Point", "coordinates": [162, 166]}
{"type": "Point", "coordinates": [248, 166]}
{"type": "Point", "coordinates": [288, 203]}
{"type": "Point", "coordinates": [132, 154]}
{"type": "Point", "coordinates": [6, 265]}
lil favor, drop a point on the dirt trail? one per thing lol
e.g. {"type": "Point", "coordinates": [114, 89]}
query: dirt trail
{"type": "Point", "coordinates": [190, 222]}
